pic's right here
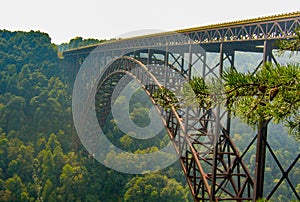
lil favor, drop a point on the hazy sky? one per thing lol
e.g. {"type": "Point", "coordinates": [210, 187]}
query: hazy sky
{"type": "Point", "coordinates": [104, 19]}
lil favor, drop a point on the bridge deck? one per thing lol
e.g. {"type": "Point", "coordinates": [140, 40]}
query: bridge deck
{"type": "Point", "coordinates": [222, 173]}
{"type": "Point", "coordinates": [252, 31]}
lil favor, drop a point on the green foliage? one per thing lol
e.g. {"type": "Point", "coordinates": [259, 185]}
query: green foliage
{"type": "Point", "coordinates": [41, 158]}
{"type": "Point", "coordinates": [140, 116]}
{"type": "Point", "coordinates": [292, 44]}
{"type": "Point", "coordinates": [78, 42]}
{"type": "Point", "coordinates": [273, 92]}
{"type": "Point", "coordinates": [165, 98]}
{"type": "Point", "coordinates": [154, 187]}
{"type": "Point", "coordinates": [202, 92]}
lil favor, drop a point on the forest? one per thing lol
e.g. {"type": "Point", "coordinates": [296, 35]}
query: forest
{"type": "Point", "coordinates": [41, 157]}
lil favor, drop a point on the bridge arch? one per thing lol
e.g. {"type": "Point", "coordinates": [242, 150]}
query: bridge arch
{"type": "Point", "coordinates": [198, 146]}
{"type": "Point", "coordinates": [224, 176]}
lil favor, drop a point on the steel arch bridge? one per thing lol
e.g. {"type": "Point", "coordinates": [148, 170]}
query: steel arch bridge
{"type": "Point", "coordinates": [220, 173]}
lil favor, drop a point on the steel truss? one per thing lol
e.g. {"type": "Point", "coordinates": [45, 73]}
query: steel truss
{"type": "Point", "coordinates": [258, 29]}
{"type": "Point", "coordinates": [213, 166]}
{"type": "Point", "coordinates": [217, 172]}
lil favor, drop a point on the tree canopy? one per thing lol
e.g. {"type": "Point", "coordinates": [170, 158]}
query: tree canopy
{"type": "Point", "coordinates": [41, 156]}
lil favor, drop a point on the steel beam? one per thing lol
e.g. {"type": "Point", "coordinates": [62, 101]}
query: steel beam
{"type": "Point", "coordinates": [219, 173]}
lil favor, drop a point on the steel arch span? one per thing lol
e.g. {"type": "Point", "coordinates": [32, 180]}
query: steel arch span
{"type": "Point", "coordinates": [214, 167]}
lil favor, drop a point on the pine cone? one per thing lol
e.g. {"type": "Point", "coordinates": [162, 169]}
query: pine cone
{"type": "Point", "coordinates": [262, 88]}
{"type": "Point", "coordinates": [273, 93]}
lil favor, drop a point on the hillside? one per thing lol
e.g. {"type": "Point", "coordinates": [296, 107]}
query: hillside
{"type": "Point", "coordinates": [41, 156]}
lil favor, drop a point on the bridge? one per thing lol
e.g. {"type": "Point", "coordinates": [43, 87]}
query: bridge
{"type": "Point", "coordinates": [168, 60]}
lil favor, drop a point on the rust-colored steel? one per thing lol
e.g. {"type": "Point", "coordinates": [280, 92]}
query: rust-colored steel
{"type": "Point", "coordinates": [213, 166]}
{"type": "Point", "coordinates": [252, 30]}
{"type": "Point", "coordinates": [232, 179]}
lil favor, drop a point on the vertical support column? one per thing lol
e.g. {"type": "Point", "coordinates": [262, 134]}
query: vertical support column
{"type": "Point", "coordinates": [74, 133]}
{"type": "Point", "coordinates": [166, 65]}
{"type": "Point", "coordinates": [149, 57]}
{"type": "Point", "coordinates": [260, 161]}
{"type": "Point", "coordinates": [221, 59]}
{"type": "Point", "coordinates": [69, 65]}
{"type": "Point", "coordinates": [204, 64]}
{"type": "Point", "coordinates": [267, 54]}
{"type": "Point", "coordinates": [188, 108]}
{"type": "Point", "coordinates": [232, 54]}
{"type": "Point", "coordinates": [189, 73]}
{"type": "Point", "coordinates": [216, 136]}
{"type": "Point", "coordinates": [104, 55]}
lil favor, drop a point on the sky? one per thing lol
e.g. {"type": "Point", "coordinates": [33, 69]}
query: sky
{"type": "Point", "coordinates": [106, 19]}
